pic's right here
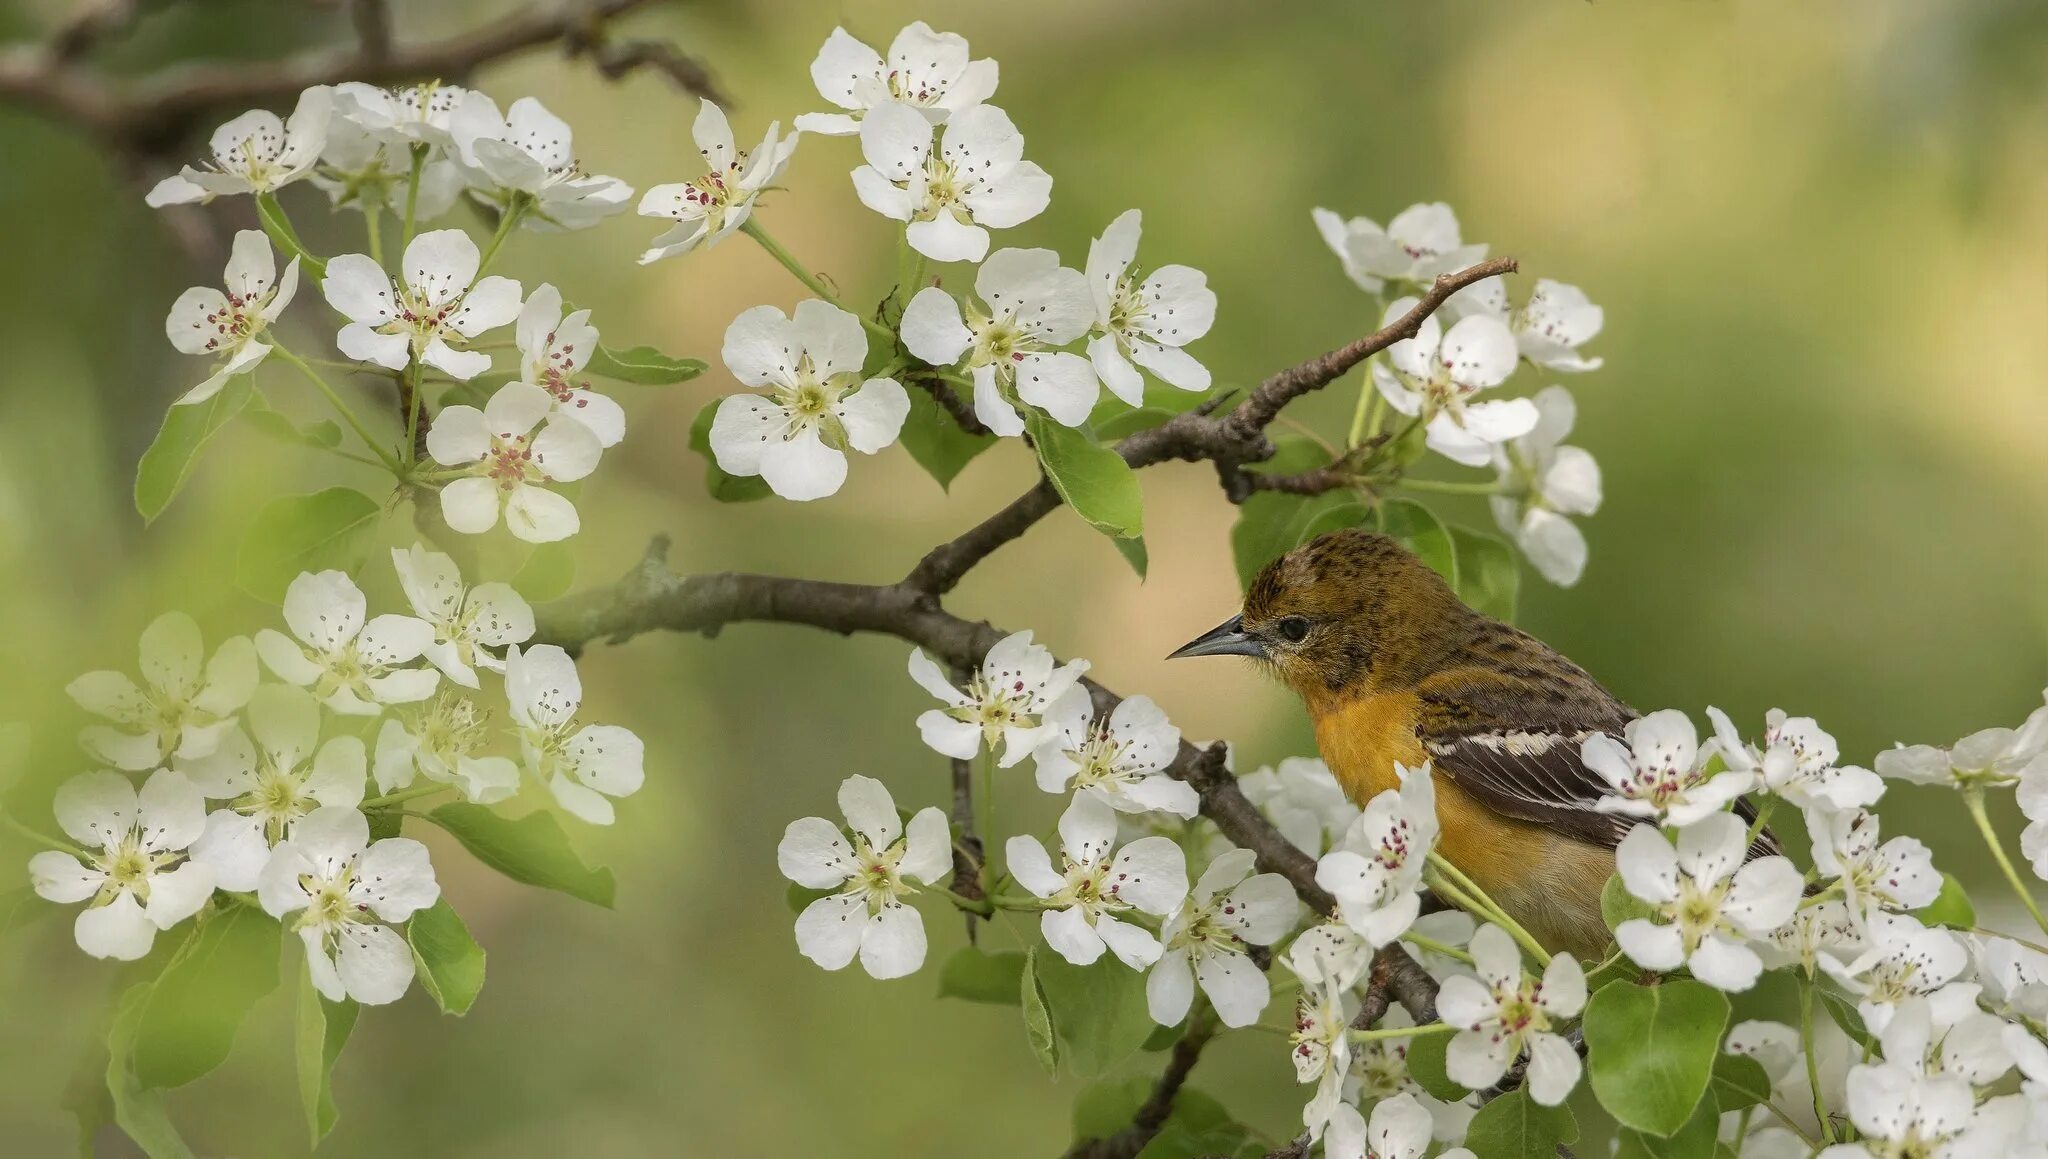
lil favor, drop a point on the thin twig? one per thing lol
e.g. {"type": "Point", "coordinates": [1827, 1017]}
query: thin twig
{"type": "Point", "coordinates": [1158, 1106]}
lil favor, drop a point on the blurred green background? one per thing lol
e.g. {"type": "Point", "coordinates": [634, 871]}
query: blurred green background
{"type": "Point", "coordinates": [1820, 232]}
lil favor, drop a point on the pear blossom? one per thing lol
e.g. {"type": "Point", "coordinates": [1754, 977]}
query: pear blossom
{"type": "Point", "coordinates": [135, 874]}
{"type": "Point", "coordinates": [1303, 801]}
{"type": "Point", "coordinates": [466, 621]}
{"type": "Point", "coordinates": [353, 666]}
{"type": "Point", "coordinates": [1658, 769]}
{"type": "Point", "coordinates": [818, 404]}
{"type": "Point", "coordinates": [1543, 484]}
{"type": "Point", "coordinates": [552, 348]}
{"type": "Point", "coordinates": [1451, 928]}
{"type": "Point", "coordinates": [1552, 325]}
{"type": "Point", "coordinates": [1421, 243]}
{"type": "Point", "coordinates": [1379, 1070]}
{"type": "Point", "coordinates": [180, 709]}
{"type": "Point", "coordinates": [1005, 700]}
{"type": "Point", "coordinates": [509, 464]}
{"type": "Point", "coordinates": [1779, 1049]}
{"type": "Point", "coordinates": [1897, 875]}
{"type": "Point", "coordinates": [1436, 374]}
{"type": "Point", "coordinates": [2014, 976]}
{"type": "Point", "coordinates": [1946, 1033]}
{"type": "Point", "coordinates": [1905, 960]}
{"type": "Point", "coordinates": [254, 153]}
{"type": "Point", "coordinates": [1502, 1012]}
{"type": "Point", "coordinates": [348, 891]}
{"type": "Point", "coordinates": [272, 774]}
{"type": "Point", "coordinates": [1091, 888]}
{"type": "Point", "coordinates": [1375, 872]}
{"type": "Point", "coordinates": [2031, 796]}
{"type": "Point", "coordinates": [1029, 304]}
{"type": "Point", "coordinates": [1708, 902]}
{"type": "Point", "coordinates": [928, 71]}
{"type": "Point", "coordinates": [231, 326]}
{"type": "Point", "coordinates": [1329, 952]}
{"type": "Point", "coordinates": [435, 307]}
{"type": "Point", "coordinates": [1205, 939]}
{"type": "Point", "coordinates": [1401, 1128]}
{"type": "Point", "coordinates": [1992, 756]}
{"type": "Point", "coordinates": [1797, 763]}
{"type": "Point", "coordinates": [1321, 1046]}
{"type": "Point", "coordinates": [950, 197]}
{"type": "Point", "coordinates": [365, 170]}
{"type": "Point", "coordinates": [869, 877]}
{"type": "Point", "coordinates": [531, 157]}
{"type": "Point", "coordinates": [439, 742]}
{"type": "Point", "coordinates": [431, 113]}
{"type": "Point", "coordinates": [1822, 930]}
{"type": "Point", "coordinates": [582, 766]}
{"type": "Point", "coordinates": [707, 209]}
{"type": "Point", "coordinates": [1902, 1112]}
{"type": "Point", "coordinates": [1144, 322]}
{"type": "Point", "coordinates": [1120, 757]}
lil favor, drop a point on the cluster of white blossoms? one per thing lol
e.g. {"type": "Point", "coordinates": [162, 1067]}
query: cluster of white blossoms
{"type": "Point", "coordinates": [263, 791]}
{"type": "Point", "coordinates": [1436, 377]}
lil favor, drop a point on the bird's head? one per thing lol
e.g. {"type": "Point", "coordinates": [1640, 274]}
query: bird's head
{"type": "Point", "coordinates": [1348, 612]}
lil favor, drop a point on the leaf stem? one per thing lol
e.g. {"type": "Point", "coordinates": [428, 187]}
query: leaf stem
{"type": "Point", "coordinates": [412, 412]}
{"type": "Point", "coordinates": [1486, 906]}
{"type": "Point", "coordinates": [348, 415]}
{"type": "Point", "coordinates": [753, 229]}
{"type": "Point", "coordinates": [507, 221]}
{"type": "Point", "coordinates": [412, 194]}
{"type": "Point", "coordinates": [372, 233]}
{"type": "Point", "coordinates": [1820, 1111]}
{"type": "Point", "coordinates": [1450, 487]}
{"type": "Point", "coordinates": [1973, 800]}
{"type": "Point", "coordinates": [1384, 1032]}
{"type": "Point", "coordinates": [1435, 947]}
{"type": "Point", "coordinates": [408, 794]}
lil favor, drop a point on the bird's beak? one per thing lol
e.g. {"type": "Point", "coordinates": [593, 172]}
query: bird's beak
{"type": "Point", "coordinates": [1225, 639]}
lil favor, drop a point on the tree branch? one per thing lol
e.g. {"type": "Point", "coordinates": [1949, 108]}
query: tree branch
{"type": "Point", "coordinates": [1158, 1106]}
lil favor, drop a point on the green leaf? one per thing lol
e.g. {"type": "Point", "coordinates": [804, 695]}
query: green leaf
{"type": "Point", "coordinates": [1426, 1067]}
{"type": "Point", "coordinates": [532, 849]}
{"type": "Point", "coordinates": [1488, 579]}
{"type": "Point", "coordinates": [1842, 1008]}
{"type": "Point", "coordinates": [1650, 1050]}
{"type": "Point", "coordinates": [272, 217]}
{"type": "Point", "coordinates": [138, 1110]}
{"type": "Point", "coordinates": [188, 1024]}
{"type": "Point", "coordinates": [643, 366]}
{"type": "Point", "coordinates": [977, 976]}
{"type": "Point", "coordinates": [723, 487]}
{"type": "Point", "coordinates": [1269, 525]}
{"type": "Point", "coordinates": [1694, 1140]}
{"type": "Point", "coordinates": [186, 429]}
{"type": "Point", "coordinates": [1163, 1037]}
{"type": "Point", "coordinates": [1950, 908]}
{"type": "Point", "coordinates": [1740, 1081]}
{"type": "Point", "coordinates": [1134, 553]}
{"type": "Point", "coordinates": [937, 442]}
{"type": "Point", "coordinates": [271, 423]}
{"type": "Point", "coordinates": [1038, 1028]}
{"type": "Point", "coordinates": [1098, 1011]}
{"type": "Point", "coordinates": [1515, 1126]}
{"type": "Point", "coordinates": [547, 574]}
{"type": "Point", "coordinates": [1421, 532]}
{"type": "Point", "coordinates": [451, 964]}
{"type": "Point", "coordinates": [301, 533]}
{"type": "Point", "coordinates": [1093, 479]}
{"type": "Point", "coordinates": [322, 1029]}
{"type": "Point", "coordinates": [1198, 1124]}
{"type": "Point", "coordinates": [1618, 905]}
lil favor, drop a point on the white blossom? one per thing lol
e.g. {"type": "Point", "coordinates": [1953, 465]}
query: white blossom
{"type": "Point", "coordinates": [582, 765]}
{"type": "Point", "coordinates": [466, 621]}
{"type": "Point", "coordinates": [428, 313]}
{"type": "Point", "coordinates": [1778, 1048]}
{"type": "Point", "coordinates": [1205, 939]}
{"type": "Point", "coordinates": [552, 348]}
{"type": "Point", "coordinates": [1400, 1129]}
{"type": "Point", "coordinates": [1436, 375]}
{"type": "Point", "coordinates": [1905, 959]}
{"type": "Point", "coordinates": [928, 71]}
{"type": "Point", "coordinates": [1992, 756]}
{"type": "Point", "coordinates": [1421, 243]}
{"type": "Point", "coordinates": [134, 874]}
{"type": "Point", "coordinates": [446, 116]}
{"type": "Point", "coordinates": [271, 775]}
{"type": "Point", "coordinates": [509, 464]}
{"type": "Point", "coordinates": [362, 169]}
{"type": "Point", "coordinates": [1897, 875]}
{"type": "Point", "coordinates": [1946, 1033]}
{"type": "Point", "coordinates": [950, 197]}
{"type": "Point", "coordinates": [440, 742]}
{"type": "Point", "coordinates": [817, 406]}
{"type": "Point", "coordinates": [1090, 888]}
{"type": "Point", "coordinates": [1543, 484]}
{"type": "Point", "coordinates": [1375, 871]}
{"type": "Point", "coordinates": [2014, 976]}
{"type": "Point", "coordinates": [254, 153]}
{"type": "Point", "coordinates": [1144, 322]}
{"type": "Point", "coordinates": [1797, 763]}
{"type": "Point", "coordinates": [1379, 1070]}
{"type": "Point", "coordinates": [347, 892]}
{"type": "Point", "coordinates": [180, 709]}
{"type": "Point", "coordinates": [1120, 757]}
{"type": "Point", "coordinates": [1708, 901]}
{"type": "Point", "coordinates": [1503, 1012]}
{"type": "Point", "coordinates": [1005, 700]}
{"type": "Point", "coordinates": [708, 209]}
{"type": "Point", "coordinates": [1901, 1112]}
{"type": "Point", "coordinates": [2031, 796]}
{"type": "Point", "coordinates": [1552, 325]}
{"type": "Point", "coordinates": [869, 877]}
{"type": "Point", "coordinates": [353, 666]}
{"type": "Point", "coordinates": [1303, 801]}
{"type": "Point", "coordinates": [1321, 1044]}
{"type": "Point", "coordinates": [532, 154]}
{"type": "Point", "coordinates": [231, 326]}
{"type": "Point", "coordinates": [1820, 930]}
{"type": "Point", "coordinates": [1658, 769]}
{"type": "Point", "coordinates": [1029, 304]}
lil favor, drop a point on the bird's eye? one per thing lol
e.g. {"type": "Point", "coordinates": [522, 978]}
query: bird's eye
{"type": "Point", "coordinates": [1293, 629]}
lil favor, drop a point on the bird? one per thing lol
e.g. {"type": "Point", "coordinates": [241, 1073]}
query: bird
{"type": "Point", "coordinates": [1394, 669]}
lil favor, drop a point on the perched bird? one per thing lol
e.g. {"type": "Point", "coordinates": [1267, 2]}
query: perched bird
{"type": "Point", "coordinates": [1393, 667]}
